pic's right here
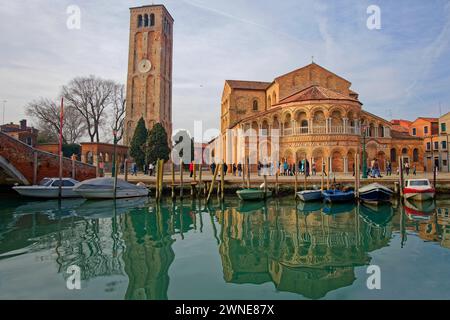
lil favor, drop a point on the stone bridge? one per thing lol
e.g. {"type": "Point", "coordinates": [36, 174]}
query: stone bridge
{"type": "Point", "coordinates": [23, 164]}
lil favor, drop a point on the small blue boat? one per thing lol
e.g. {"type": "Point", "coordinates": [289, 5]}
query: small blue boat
{"type": "Point", "coordinates": [310, 195]}
{"type": "Point", "coordinates": [375, 193]}
{"type": "Point", "coordinates": [338, 196]}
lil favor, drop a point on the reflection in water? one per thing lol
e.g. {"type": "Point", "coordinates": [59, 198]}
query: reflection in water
{"type": "Point", "coordinates": [308, 254]}
{"type": "Point", "coordinates": [308, 249]}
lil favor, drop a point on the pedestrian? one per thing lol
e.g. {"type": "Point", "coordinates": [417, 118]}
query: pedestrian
{"type": "Point", "coordinates": [306, 168]}
{"type": "Point", "coordinates": [407, 168]}
{"type": "Point", "coordinates": [225, 169]}
{"type": "Point", "coordinates": [314, 169]}
{"type": "Point", "coordinates": [191, 169]}
{"type": "Point", "coordinates": [234, 169]}
{"type": "Point", "coordinates": [213, 167]}
{"type": "Point", "coordinates": [414, 170]}
{"type": "Point", "coordinates": [151, 167]}
{"type": "Point", "coordinates": [239, 169]}
{"type": "Point", "coordinates": [134, 169]}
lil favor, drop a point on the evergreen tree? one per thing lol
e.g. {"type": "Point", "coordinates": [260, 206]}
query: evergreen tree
{"type": "Point", "coordinates": [157, 146]}
{"type": "Point", "coordinates": [137, 148]}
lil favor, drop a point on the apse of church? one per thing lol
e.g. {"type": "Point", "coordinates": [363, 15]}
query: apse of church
{"type": "Point", "coordinates": [309, 113]}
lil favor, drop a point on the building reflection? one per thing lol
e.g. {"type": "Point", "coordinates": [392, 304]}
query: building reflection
{"type": "Point", "coordinates": [309, 254]}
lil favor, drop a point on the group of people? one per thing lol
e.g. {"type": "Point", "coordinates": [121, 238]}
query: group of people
{"type": "Point", "coordinates": [374, 170]}
{"type": "Point", "coordinates": [270, 169]}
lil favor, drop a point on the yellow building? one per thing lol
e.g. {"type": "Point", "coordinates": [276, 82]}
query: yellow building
{"type": "Point", "coordinates": [309, 113]}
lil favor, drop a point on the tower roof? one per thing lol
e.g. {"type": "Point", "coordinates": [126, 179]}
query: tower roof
{"type": "Point", "coordinates": [153, 6]}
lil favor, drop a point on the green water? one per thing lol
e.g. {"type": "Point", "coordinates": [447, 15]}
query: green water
{"type": "Point", "coordinates": [134, 250]}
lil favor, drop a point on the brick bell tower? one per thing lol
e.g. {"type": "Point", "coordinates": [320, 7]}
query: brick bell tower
{"type": "Point", "coordinates": [149, 81]}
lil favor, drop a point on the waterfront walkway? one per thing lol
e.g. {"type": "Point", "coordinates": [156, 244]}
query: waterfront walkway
{"type": "Point", "coordinates": [442, 179]}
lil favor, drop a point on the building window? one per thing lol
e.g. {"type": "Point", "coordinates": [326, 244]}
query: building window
{"type": "Point", "coordinates": [152, 20]}
{"type": "Point", "coordinates": [415, 155]}
{"type": "Point", "coordinates": [425, 130]}
{"type": "Point", "coordinates": [29, 141]}
{"type": "Point", "coordinates": [139, 21]}
{"type": "Point", "coordinates": [255, 105]}
{"type": "Point", "coordinates": [428, 145]}
{"type": "Point", "coordinates": [436, 145]}
{"type": "Point", "coordinates": [393, 155]}
{"type": "Point", "coordinates": [414, 131]}
{"type": "Point", "coordinates": [444, 145]}
{"type": "Point", "coordinates": [146, 20]}
{"type": "Point", "coordinates": [443, 127]}
{"type": "Point", "coordinates": [444, 162]}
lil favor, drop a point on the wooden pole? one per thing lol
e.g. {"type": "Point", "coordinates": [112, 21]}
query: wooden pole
{"type": "Point", "coordinates": [306, 177]}
{"type": "Point", "coordinates": [357, 175]}
{"type": "Point", "coordinates": [35, 167]}
{"type": "Point", "coordinates": [125, 169]}
{"type": "Point", "coordinates": [181, 180]}
{"type": "Point", "coordinates": [265, 185]}
{"type": "Point", "coordinates": [222, 183]}
{"type": "Point", "coordinates": [161, 179]}
{"type": "Point", "coordinates": [173, 181]}
{"type": "Point", "coordinates": [157, 180]}
{"type": "Point", "coordinates": [211, 187]}
{"type": "Point", "coordinates": [434, 176]}
{"type": "Point", "coordinates": [322, 182]}
{"type": "Point", "coordinates": [400, 170]}
{"type": "Point", "coordinates": [243, 173]}
{"type": "Point", "coordinates": [200, 182]}
{"type": "Point", "coordinates": [276, 183]}
{"type": "Point", "coordinates": [295, 185]}
{"type": "Point", "coordinates": [328, 173]}
{"type": "Point", "coordinates": [248, 172]}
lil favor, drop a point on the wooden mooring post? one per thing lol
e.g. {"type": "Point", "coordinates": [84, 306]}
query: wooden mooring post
{"type": "Point", "coordinates": [211, 187]}
{"type": "Point", "coordinates": [222, 182]}
{"type": "Point", "coordinates": [173, 181]}
{"type": "Point", "coordinates": [181, 180]}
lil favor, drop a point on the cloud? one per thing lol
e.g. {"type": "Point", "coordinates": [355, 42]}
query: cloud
{"type": "Point", "coordinates": [394, 68]}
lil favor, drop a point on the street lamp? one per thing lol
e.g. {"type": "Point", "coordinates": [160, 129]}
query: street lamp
{"type": "Point", "coordinates": [364, 160]}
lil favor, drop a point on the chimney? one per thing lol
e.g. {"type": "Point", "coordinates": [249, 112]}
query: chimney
{"type": "Point", "coordinates": [23, 125]}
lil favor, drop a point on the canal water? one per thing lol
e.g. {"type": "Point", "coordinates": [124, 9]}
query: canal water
{"type": "Point", "coordinates": [132, 249]}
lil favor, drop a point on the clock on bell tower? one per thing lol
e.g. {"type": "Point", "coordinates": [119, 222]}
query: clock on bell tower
{"type": "Point", "coordinates": [149, 81]}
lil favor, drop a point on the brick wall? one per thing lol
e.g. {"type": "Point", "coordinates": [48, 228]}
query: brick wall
{"type": "Point", "coordinates": [21, 156]}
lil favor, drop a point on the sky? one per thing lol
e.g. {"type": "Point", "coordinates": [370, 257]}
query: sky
{"type": "Point", "coordinates": [401, 70]}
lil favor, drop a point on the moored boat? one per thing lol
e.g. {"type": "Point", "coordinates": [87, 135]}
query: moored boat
{"type": "Point", "coordinates": [338, 196]}
{"type": "Point", "coordinates": [375, 193]}
{"type": "Point", "coordinates": [103, 188]}
{"type": "Point", "coordinates": [310, 195]}
{"type": "Point", "coordinates": [48, 188]}
{"type": "Point", "coordinates": [418, 190]}
{"type": "Point", "coordinates": [253, 194]}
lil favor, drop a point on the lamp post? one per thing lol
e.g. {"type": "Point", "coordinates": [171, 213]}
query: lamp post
{"type": "Point", "coordinates": [4, 107]}
{"type": "Point", "coordinates": [364, 160]}
{"type": "Point", "coordinates": [113, 169]}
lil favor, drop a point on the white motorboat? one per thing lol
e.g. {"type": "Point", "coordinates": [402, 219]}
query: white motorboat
{"type": "Point", "coordinates": [103, 188]}
{"type": "Point", "coordinates": [48, 188]}
{"type": "Point", "coordinates": [418, 189]}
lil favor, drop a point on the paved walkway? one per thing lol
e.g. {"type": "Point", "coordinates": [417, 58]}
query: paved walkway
{"type": "Point", "coordinates": [230, 179]}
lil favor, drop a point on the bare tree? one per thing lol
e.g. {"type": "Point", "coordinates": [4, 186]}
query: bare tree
{"type": "Point", "coordinates": [90, 96]}
{"type": "Point", "coordinates": [46, 113]}
{"type": "Point", "coordinates": [119, 107]}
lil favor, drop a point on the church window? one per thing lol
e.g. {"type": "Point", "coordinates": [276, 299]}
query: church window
{"type": "Point", "coordinates": [146, 20]}
{"type": "Point", "coordinates": [152, 20]}
{"type": "Point", "coordinates": [139, 21]}
{"type": "Point", "coordinates": [255, 105]}
{"type": "Point", "coordinates": [393, 155]}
